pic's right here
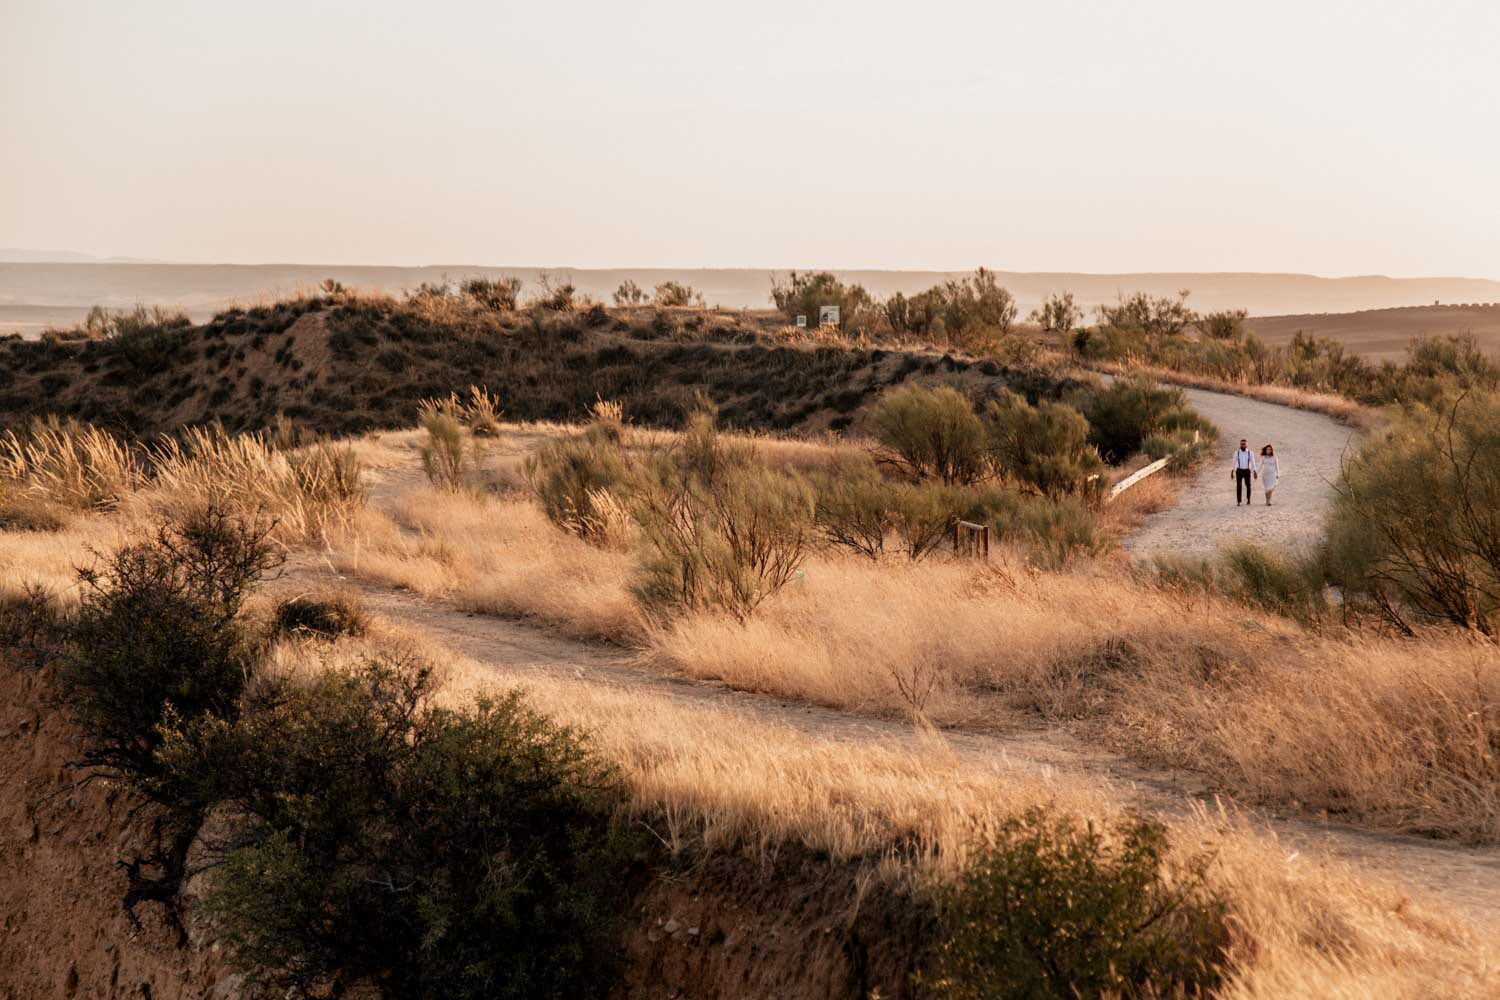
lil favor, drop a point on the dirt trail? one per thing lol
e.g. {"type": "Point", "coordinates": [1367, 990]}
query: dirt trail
{"type": "Point", "coordinates": [1309, 446]}
{"type": "Point", "coordinates": [1467, 878]}
{"type": "Point", "coordinates": [1464, 877]}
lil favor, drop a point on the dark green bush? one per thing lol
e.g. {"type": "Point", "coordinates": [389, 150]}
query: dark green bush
{"type": "Point", "coordinates": [147, 339]}
{"type": "Point", "coordinates": [406, 849]}
{"type": "Point", "coordinates": [1053, 908]}
{"type": "Point", "coordinates": [325, 616]}
{"type": "Point", "coordinates": [1127, 411]}
{"type": "Point", "coordinates": [159, 628]}
{"type": "Point", "coordinates": [1045, 447]}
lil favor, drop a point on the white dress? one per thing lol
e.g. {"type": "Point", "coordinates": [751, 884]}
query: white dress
{"type": "Point", "coordinates": [1269, 472]}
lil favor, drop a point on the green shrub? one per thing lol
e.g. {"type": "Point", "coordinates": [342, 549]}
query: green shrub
{"type": "Point", "coordinates": [445, 458]}
{"type": "Point", "coordinates": [1052, 908]}
{"type": "Point", "coordinates": [855, 507]}
{"type": "Point", "coordinates": [159, 627]}
{"type": "Point", "coordinates": [931, 433]}
{"type": "Point", "coordinates": [1285, 585]}
{"type": "Point", "coordinates": [323, 616]}
{"type": "Point", "coordinates": [719, 529]}
{"type": "Point", "coordinates": [1142, 313]}
{"type": "Point", "coordinates": [801, 294]}
{"type": "Point", "coordinates": [573, 478]}
{"type": "Point", "coordinates": [1415, 530]}
{"type": "Point", "coordinates": [1045, 446]}
{"type": "Point", "coordinates": [406, 850]}
{"type": "Point", "coordinates": [1125, 413]}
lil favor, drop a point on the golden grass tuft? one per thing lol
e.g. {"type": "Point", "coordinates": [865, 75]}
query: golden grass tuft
{"type": "Point", "coordinates": [75, 465]}
{"type": "Point", "coordinates": [312, 493]}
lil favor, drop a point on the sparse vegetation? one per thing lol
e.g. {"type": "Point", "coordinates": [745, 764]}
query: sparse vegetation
{"type": "Point", "coordinates": [674, 294]}
{"type": "Point", "coordinates": [500, 294]}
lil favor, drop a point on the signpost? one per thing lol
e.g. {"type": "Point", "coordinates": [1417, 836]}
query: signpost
{"type": "Point", "coordinates": [828, 315]}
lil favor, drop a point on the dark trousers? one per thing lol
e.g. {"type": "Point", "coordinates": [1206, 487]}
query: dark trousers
{"type": "Point", "coordinates": [1241, 478]}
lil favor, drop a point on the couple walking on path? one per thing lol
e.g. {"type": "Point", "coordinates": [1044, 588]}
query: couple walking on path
{"type": "Point", "coordinates": [1247, 467]}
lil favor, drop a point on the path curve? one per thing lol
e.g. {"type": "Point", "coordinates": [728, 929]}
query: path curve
{"type": "Point", "coordinates": [1204, 519]}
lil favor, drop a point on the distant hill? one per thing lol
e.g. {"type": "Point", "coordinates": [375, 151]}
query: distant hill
{"type": "Point", "coordinates": [1384, 333]}
{"type": "Point", "coordinates": [30, 292]}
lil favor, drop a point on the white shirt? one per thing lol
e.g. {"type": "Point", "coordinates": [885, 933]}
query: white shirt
{"type": "Point", "coordinates": [1244, 458]}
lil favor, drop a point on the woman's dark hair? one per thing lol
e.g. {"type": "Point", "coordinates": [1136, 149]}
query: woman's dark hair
{"type": "Point", "coordinates": [1267, 450]}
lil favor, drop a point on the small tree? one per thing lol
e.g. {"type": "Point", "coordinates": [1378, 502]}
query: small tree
{"type": "Point", "coordinates": [1416, 523]}
{"type": "Point", "coordinates": [1058, 314]}
{"type": "Point", "coordinates": [159, 629]}
{"type": "Point", "coordinates": [500, 295]}
{"type": "Point", "coordinates": [674, 293]}
{"type": "Point", "coordinates": [1225, 324]}
{"type": "Point", "coordinates": [629, 294]}
{"type": "Point", "coordinates": [930, 433]}
{"type": "Point", "coordinates": [801, 294]}
{"type": "Point", "coordinates": [1045, 447]}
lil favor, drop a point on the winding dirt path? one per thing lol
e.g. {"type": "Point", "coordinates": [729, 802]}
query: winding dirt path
{"type": "Point", "coordinates": [1309, 446]}
{"type": "Point", "coordinates": [1464, 877]}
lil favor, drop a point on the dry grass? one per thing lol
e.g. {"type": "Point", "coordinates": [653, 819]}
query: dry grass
{"type": "Point", "coordinates": [1402, 736]}
{"type": "Point", "coordinates": [312, 493]}
{"type": "Point", "coordinates": [720, 779]}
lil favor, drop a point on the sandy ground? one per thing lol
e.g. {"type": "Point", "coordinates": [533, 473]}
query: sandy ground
{"type": "Point", "coordinates": [1205, 518]}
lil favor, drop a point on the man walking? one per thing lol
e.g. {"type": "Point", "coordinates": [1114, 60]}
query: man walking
{"type": "Point", "coordinates": [1244, 470]}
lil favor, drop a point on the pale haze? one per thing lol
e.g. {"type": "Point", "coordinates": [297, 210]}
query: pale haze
{"type": "Point", "coordinates": [1329, 138]}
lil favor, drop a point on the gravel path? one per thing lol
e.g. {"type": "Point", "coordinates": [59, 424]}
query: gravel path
{"type": "Point", "coordinates": [1205, 519]}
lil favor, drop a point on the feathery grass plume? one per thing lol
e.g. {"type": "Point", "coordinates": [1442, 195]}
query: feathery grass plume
{"type": "Point", "coordinates": [74, 465]}
{"type": "Point", "coordinates": [311, 492]}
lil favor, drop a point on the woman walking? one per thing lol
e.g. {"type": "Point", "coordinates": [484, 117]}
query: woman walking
{"type": "Point", "coordinates": [1270, 471]}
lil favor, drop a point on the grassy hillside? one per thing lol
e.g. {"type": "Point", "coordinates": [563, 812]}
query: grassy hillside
{"type": "Point", "coordinates": [342, 365]}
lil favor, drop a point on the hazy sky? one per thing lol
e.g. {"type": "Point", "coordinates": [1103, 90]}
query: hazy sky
{"type": "Point", "coordinates": [1334, 138]}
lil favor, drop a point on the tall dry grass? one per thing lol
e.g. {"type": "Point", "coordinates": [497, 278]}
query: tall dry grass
{"type": "Point", "coordinates": [77, 466]}
{"type": "Point", "coordinates": [312, 493]}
